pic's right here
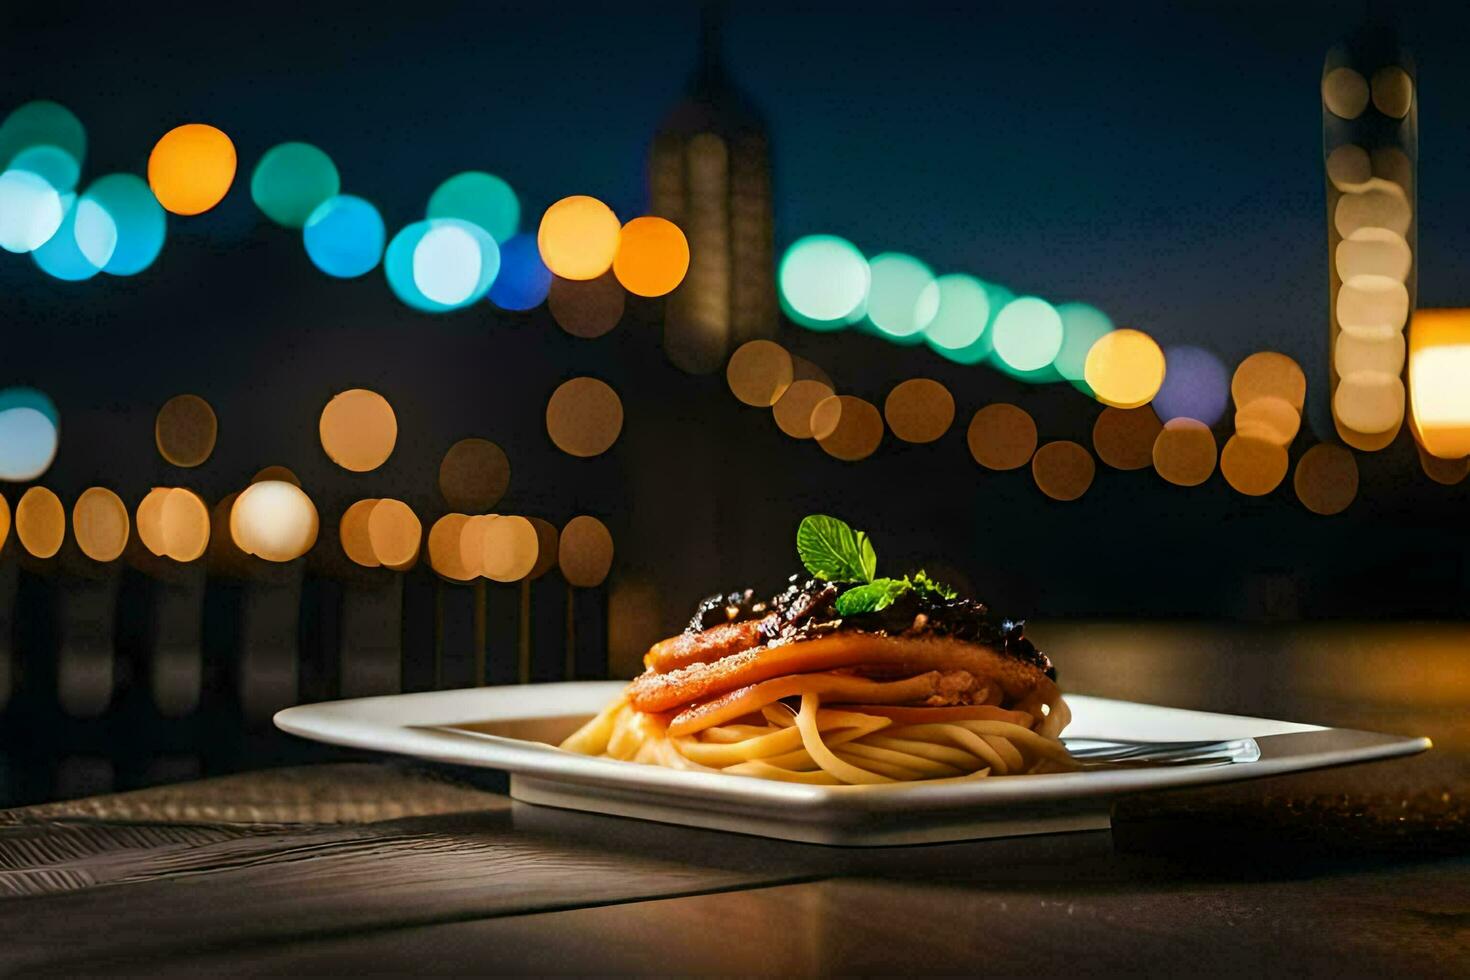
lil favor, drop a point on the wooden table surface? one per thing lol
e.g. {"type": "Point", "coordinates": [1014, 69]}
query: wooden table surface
{"type": "Point", "coordinates": [387, 867]}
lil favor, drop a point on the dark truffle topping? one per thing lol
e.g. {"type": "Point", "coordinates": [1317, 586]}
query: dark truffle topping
{"type": "Point", "coordinates": [805, 610]}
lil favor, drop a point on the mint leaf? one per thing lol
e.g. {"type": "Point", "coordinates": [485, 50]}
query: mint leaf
{"type": "Point", "coordinates": [877, 594]}
{"type": "Point", "coordinates": [924, 583]}
{"type": "Point", "coordinates": [833, 551]}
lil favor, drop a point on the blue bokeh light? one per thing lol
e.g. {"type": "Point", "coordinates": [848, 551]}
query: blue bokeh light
{"type": "Point", "coordinates": [460, 264]}
{"type": "Point", "coordinates": [31, 211]}
{"type": "Point", "coordinates": [29, 434]}
{"type": "Point", "coordinates": [62, 257]}
{"type": "Point", "coordinates": [344, 236]}
{"type": "Point", "coordinates": [524, 279]}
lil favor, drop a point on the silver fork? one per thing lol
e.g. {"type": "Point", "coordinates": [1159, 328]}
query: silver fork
{"type": "Point", "coordinates": [1097, 752]}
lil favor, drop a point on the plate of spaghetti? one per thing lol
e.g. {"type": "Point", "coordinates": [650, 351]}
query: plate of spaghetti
{"type": "Point", "coordinates": [848, 708]}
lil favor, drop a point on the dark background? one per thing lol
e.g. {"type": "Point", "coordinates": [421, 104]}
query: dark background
{"type": "Point", "coordinates": [1159, 160]}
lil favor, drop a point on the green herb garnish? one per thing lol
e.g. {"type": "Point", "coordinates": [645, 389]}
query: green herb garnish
{"type": "Point", "coordinates": [832, 550]}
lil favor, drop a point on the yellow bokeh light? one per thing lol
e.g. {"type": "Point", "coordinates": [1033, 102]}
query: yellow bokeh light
{"type": "Point", "coordinates": [99, 521]}
{"type": "Point", "coordinates": [1269, 373]}
{"type": "Point", "coordinates": [652, 258]}
{"type": "Point", "coordinates": [444, 548]}
{"type": "Point", "coordinates": [150, 520]}
{"type": "Point", "coordinates": [585, 552]}
{"type": "Point", "coordinates": [793, 410]}
{"type": "Point", "coordinates": [511, 546]}
{"type": "Point", "coordinates": [1344, 93]}
{"type": "Point", "coordinates": [1439, 380]}
{"type": "Point", "coordinates": [358, 430]}
{"type": "Point", "coordinates": [1002, 436]}
{"type": "Point", "coordinates": [184, 525]}
{"type": "Point", "coordinates": [759, 372]}
{"type": "Point", "coordinates": [394, 533]}
{"type": "Point", "coordinates": [191, 168]}
{"type": "Point", "coordinates": [1124, 368]}
{"type": "Point", "coordinates": [40, 522]}
{"type": "Point", "coordinates": [1270, 418]}
{"type": "Point", "coordinates": [578, 237]}
{"type": "Point", "coordinates": [584, 417]}
{"type": "Point", "coordinates": [1253, 467]}
{"type": "Point", "coordinates": [472, 542]}
{"type": "Point", "coordinates": [274, 520]}
{"type": "Point", "coordinates": [919, 410]}
{"type": "Point", "coordinates": [1184, 452]}
{"type": "Point", "coordinates": [352, 532]}
{"type": "Point", "coordinates": [4, 521]}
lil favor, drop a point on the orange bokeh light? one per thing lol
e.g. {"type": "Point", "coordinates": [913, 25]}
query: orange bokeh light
{"type": "Point", "coordinates": [578, 237]}
{"type": "Point", "coordinates": [652, 257]}
{"type": "Point", "coordinates": [191, 168]}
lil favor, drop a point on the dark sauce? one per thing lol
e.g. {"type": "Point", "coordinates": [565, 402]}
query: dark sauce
{"type": "Point", "coordinates": [804, 609]}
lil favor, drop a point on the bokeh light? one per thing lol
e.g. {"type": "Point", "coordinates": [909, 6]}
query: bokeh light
{"type": "Point", "coordinates": [29, 434]}
{"type": "Point", "coordinates": [1063, 470]}
{"type": "Point", "coordinates": [1196, 386]}
{"type": "Point", "coordinates": [481, 199]}
{"type": "Point", "coordinates": [394, 533]}
{"type": "Point", "coordinates": [1371, 306]}
{"type": "Point", "coordinates": [962, 311]}
{"type": "Point", "coordinates": [1349, 167]}
{"type": "Point", "coordinates": [352, 533]}
{"type": "Point", "coordinates": [185, 430]}
{"type": "Point", "coordinates": [823, 282]}
{"type": "Point", "coordinates": [275, 471]}
{"type": "Point", "coordinates": [1269, 373]}
{"type": "Point", "coordinates": [1393, 91]}
{"type": "Point", "coordinates": [1439, 392]}
{"type": "Point", "coordinates": [1326, 479]}
{"type": "Point", "coordinates": [1344, 93]}
{"type": "Point", "coordinates": [444, 548]}
{"type": "Point", "coordinates": [584, 417]}
{"type": "Point", "coordinates": [900, 302]}
{"type": "Point", "coordinates": [1082, 326]}
{"type": "Point", "coordinates": [344, 236]}
{"type": "Point", "coordinates": [472, 542]}
{"type": "Point", "coordinates": [919, 410]}
{"type": "Point", "coordinates": [191, 168]}
{"type": "Point", "coordinates": [274, 520]}
{"type": "Point", "coordinates": [455, 262]}
{"type": "Point", "coordinates": [548, 540]}
{"type": "Point", "coordinates": [1253, 466]}
{"type": "Point", "coordinates": [61, 256]}
{"type": "Point", "coordinates": [52, 164]}
{"type": "Point", "coordinates": [99, 521]}
{"type": "Point", "coordinates": [1374, 252]}
{"type": "Point", "coordinates": [43, 123]}
{"type": "Point", "coordinates": [1002, 436]}
{"type": "Point", "coordinates": [184, 525]}
{"type": "Point", "coordinates": [1378, 204]}
{"type": "Point", "coordinates": [653, 257]}
{"type": "Point", "coordinates": [586, 308]}
{"type": "Point", "coordinates": [793, 410]}
{"type": "Point", "coordinates": [291, 181]}
{"type": "Point", "coordinates": [524, 280]}
{"type": "Point", "coordinates": [759, 372]}
{"type": "Point", "coordinates": [358, 430]}
{"type": "Point", "coordinates": [511, 547]}
{"type": "Point", "coordinates": [847, 427]}
{"type": "Point", "coordinates": [585, 552]}
{"type": "Point", "coordinates": [1027, 334]}
{"type": "Point", "coordinates": [4, 521]}
{"type": "Point", "coordinates": [31, 211]}
{"type": "Point", "coordinates": [474, 475]}
{"type": "Point", "coordinates": [1370, 402]}
{"type": "Point", "coordinates": [120, 225]}
{"type": "Point", "coordinates": [1124, 438]}
{"type": "Point", "coordinates": [1125, 368]}
{"type": "Point", "coordinates": [1185, 452]}
{"type": "Point", "coordinates": [1447, 472]}
{"type": "Point", "coordinates": [1270, 419]}
{"type": "Point", "coordinates": [578, 237]}
{"type": "Point", "coordinates": [40, 522]}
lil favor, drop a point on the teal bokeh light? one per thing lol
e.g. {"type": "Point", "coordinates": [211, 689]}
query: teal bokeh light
{"type": "Point", "coordinates": [57, 167]}
{"type": "Point", "coordinates": [1027, 335]}
{"type": "Point", "coordinates": [62, 256]}
{"type": "Point", "coordinates": [291, 180]}
{"type": "Point", "coordinates": [962, 310]}
{"type": "Point", "coordinates": [43, 123]}
{"type": "Point", "coordinates": [1082, 326]}
{"type": "Point", "coordinates": [29, 434]}
{"type": "Point", "coordinates": [120, 225]}
{"type": "Point", "coordinates": [481, 199]}
{"type": "Point", "coordinates": [344, 236]}
{"type": "Point", "coordinates": [899, 303]}
{"type": "Point", "coordinates": [31, 211]}
{"type": "Point", "coordinates": [823, 282]}
{"type": "Point", "coordinates": [441, 265]}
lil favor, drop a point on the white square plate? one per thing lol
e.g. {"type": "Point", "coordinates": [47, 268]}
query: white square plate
{"type": "Point", "coordinates": [513, 728]}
